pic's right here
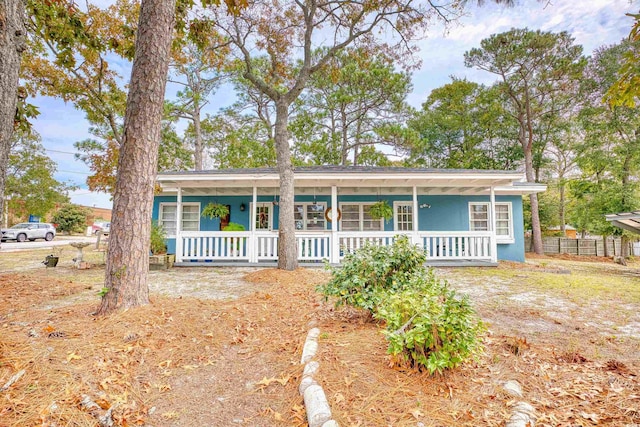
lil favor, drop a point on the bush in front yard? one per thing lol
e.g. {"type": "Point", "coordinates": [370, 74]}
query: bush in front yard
{"type": "Point", "coordinates": [370, 271]}
{"type": "Point", "coordinates": [429, 326]}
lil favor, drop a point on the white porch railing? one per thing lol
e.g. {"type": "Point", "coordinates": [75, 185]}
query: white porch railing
{"type": "Point", "coordinates": [457, 245]}
{"type": "Point", "coordinates": [214, 245]}
{"type": "Point", "coordinates": [316, 246]}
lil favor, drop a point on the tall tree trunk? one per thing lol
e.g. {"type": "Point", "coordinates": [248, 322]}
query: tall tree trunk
{"type": "Point", "coordinates": [344, 138]}
{"type": "Point", "coordinates": [287, 247]}
{"type": "Point", "coordinates": [128, 260]}
{"type": "Point", "coordinates": [624, 246]}
{"type": "Point", "coordinates": [526, 140]}
{"type": "Point", "coordinates": [198, 148]}
{"type": "Point", "coordinates": [563, 227]}
{"type": "Point", "coordinates": [12, 43]}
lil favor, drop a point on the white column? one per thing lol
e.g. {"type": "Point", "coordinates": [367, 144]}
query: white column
{"type": "Point", "coordinates": [335, 243]}
{"type": "Point", "coordinates": [253, 240]}
{"type": "Point", "coordinates": [179, 225]}
{"type": "Point", "coordinates": [416, 227]}
{"type": "Point", "coordinates": [492, 224]}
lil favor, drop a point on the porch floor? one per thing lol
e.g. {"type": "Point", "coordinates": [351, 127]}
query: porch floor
{"type": "Point", "coordinates": [271, 264]}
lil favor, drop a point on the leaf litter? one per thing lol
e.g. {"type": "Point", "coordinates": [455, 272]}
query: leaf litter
{"type": "Point", "coordinates": [185, 361]}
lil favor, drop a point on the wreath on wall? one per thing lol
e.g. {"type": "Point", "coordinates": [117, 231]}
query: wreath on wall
{"type": "Point", "coordinates": [327, 215]}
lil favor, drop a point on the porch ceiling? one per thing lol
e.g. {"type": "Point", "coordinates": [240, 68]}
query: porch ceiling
{"type": "Point", "coordinates": [381, 181]}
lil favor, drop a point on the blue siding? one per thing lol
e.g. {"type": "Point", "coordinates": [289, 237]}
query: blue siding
{"type": "Point", "coordinates": [446, 213]}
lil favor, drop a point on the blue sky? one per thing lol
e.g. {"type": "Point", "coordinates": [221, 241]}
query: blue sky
{"type": "Point", "coordinates": [593, 23]}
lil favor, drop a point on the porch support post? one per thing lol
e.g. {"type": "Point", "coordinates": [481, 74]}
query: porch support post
{"type": "Point", "coordinates": [416, 227]}
{"type": "Point", "coordinates": [179, 225]}
{"type": "Point", "coordinates": [334, 257]}
{"type": "Point", "coordinates": [492, 224]}
{"type": "Point", "coordinates": [253, 241]}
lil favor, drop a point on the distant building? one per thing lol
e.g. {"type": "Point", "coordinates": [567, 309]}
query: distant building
{"type": "Point", "coordinates": [97, 214]}
{"type": "Point", "coordinates": [569, 231]}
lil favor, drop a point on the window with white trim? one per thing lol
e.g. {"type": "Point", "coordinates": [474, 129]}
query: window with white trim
{"type": "Point", "coordinates": [309, 216]}
{"type": "Point", "coordinates": [403, 216]}
{"type": "Point", "coordinates": [190, 217]}
{"type": "Point", "coordinates": [479, 220]}
{"type": "Point", "coordinates": [356, 217]}
{"type": "Point", "coordinates": [264, 217]}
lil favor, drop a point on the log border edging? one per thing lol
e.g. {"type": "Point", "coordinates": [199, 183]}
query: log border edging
{"type": "Point", "coordinates": [315, 400]}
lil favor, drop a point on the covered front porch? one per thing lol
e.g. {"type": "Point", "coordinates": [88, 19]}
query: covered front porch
{"type": "Point", "coordinates": [252, 248]}
{"type": "Point", "coordinates": [459, 217]}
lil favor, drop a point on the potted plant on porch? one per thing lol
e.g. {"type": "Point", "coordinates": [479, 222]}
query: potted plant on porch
{"type": "Point", "coordinates": [159, 259]}
{"type": "Point", "coordinates": [232, 226]}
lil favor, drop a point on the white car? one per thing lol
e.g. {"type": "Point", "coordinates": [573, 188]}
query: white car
{"type": "Point", "coordinates": [29, 231]}
{"type": "Point", "coordinates": [97, 227]}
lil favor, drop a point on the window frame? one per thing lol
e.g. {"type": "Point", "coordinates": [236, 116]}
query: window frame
{"type": "Point", "coordinates": [305, 215]}
{"type": "Point", "coordinates": [163, 205]}
{"type": "Point", "coordinates": [360, 216]}
{"type": "Point", "coordinates": [500, 238]}
{"type": "Point", "coordinates": [398, 204]}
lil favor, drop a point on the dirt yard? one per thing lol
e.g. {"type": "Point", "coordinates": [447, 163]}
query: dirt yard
{"type": "Point", "coordinates": [221, 347]}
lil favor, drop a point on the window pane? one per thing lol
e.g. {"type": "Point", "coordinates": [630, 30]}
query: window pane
{"type": "Point", "coordinates": [503, 220]}
{"type": "Point", "coordinates": [404, 217]}
{"type": "Point", "coordinates": [368, 223]}
{"type": "Point", "coordinates": [315, 217]}
{"type": "Point", "coordinates": [167, 218]}
{"type": "Point", "coordinates": [350, 217]}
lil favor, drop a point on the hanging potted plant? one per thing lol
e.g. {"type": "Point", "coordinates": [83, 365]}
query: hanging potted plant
{"type": "Point", "coordinates": [381, 209]}
{"type": "Point", "coordinates": [215, 210]}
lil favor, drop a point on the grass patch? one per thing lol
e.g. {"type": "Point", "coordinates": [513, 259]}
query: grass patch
{"type": "Point", "coordinates": [581, 286]}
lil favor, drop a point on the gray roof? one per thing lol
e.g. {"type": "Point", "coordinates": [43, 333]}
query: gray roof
{"type": "Point", "coordinates": [629, 221]}
{"type": "Point", "coordinates": [338, 170]}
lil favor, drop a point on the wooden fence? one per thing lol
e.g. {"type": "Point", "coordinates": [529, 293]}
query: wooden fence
{"type": "Point", "coordinates": [564, 245]}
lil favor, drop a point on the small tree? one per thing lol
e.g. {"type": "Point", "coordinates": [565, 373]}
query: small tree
{"type": "Point", "coordinates": [71, 218]}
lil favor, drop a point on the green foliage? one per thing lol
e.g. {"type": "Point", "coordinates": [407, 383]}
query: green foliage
{"type": "Point", "coordinates": [30, 178]}
{"type": "Point", "coordinates": [233, 226]}
{"type": "Point", "coordinates": [464, 125]}
{"type": "Point", "coordinates": [626, 89]}
{"type": "Point", "coordinates": [215, 210]}
{"type": "Point", "coordinates": [369, 270]}
{"type": "Point", "coordinates": [158, 242]}
{"type": "Point", "coordinates": [381, 209]}
{"type": "Point", "coordinates": [71, 218]}
{"type": "Point", "coordinates": [428, 325]}
{"type": "Point", "coordinates": [348, 106]}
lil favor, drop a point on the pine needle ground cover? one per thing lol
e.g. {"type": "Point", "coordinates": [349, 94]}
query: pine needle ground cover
{"type": "Point", "coordinates": [222, 347]}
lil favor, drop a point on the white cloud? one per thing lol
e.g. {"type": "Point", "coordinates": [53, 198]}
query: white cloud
{"type": "Point", "coordinates": [592, 23]}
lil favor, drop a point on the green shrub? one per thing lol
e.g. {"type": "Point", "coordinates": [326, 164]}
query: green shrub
{"type": "Point", "coordinates": [71, 218]}
{"type": "Point", "coordinates": [233, 226]}
{"type": "Point", "coordinates": [429, 326]}
{"type": "Point", "coordinates": [372, 269]}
